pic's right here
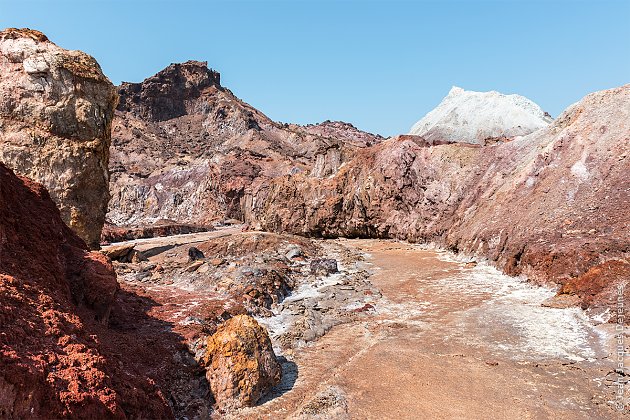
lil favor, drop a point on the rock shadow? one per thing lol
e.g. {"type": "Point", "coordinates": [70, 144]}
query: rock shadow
{"type": "Point", "coordinates": [153, 358]}
{"type": "Point", "coordinates": [290, 373]}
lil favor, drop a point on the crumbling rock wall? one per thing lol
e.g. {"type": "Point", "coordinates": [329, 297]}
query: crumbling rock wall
{"type": "Point", "coordinates": [52, 289]}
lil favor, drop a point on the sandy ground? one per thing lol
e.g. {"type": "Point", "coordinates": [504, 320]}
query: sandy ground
{"type": "Point", "coordinates": [449, 341]}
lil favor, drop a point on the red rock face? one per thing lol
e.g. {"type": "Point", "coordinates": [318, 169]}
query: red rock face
{"type": "Point", "coordinates": [551, 205]}
{"type": "Point", "coordinates": [51, 290]}
{"type": "Point", "coordinates": [604, 284]}
{"type": "Point", "coordinates": [72, 344]}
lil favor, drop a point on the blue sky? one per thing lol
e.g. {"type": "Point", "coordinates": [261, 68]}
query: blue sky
{"type": "Point", "coordinates": [380, 65]}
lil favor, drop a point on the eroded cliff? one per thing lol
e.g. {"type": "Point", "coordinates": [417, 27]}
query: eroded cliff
{"type": "Point", "coordinates": [186, 149]}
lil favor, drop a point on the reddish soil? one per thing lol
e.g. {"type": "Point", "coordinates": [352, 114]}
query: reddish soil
{"type": "Point", "coordinates": [58, 356]}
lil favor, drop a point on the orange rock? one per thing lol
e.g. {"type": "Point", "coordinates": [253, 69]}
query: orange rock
{"type": "Point", "coordinates": [217, 261]}
{"type": "Point", "coordinates": [240, 363]}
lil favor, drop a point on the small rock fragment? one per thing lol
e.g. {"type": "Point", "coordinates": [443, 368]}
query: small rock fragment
{"type": "Point", "coordinates": [195, 254]}
{"type": "Point", "coordinates": [194, 266]}
{"type": "Point", "coordinates": [119, 252]}
{"type": "Point", "coordinates": [324, 266]}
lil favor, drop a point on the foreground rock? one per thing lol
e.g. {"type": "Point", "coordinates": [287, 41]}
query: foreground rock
{"type": "Point", "coordinates": [240, 363]}
{"type": "Point", "coordinates": [480, 117]}
{"type": "Point", "coordinates": [551, 205]}
{"type": "Point", "coordinates": [56, 109]}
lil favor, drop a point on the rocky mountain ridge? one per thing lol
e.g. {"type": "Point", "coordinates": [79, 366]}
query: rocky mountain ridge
{"type": "Point", "coordinates": [180, 134]}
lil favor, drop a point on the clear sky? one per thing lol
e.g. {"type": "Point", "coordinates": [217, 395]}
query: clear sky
{"type": "Point", "coordinates": [380, 65]}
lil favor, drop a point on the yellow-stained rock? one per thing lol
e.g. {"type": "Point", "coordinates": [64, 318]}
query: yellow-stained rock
{"type": "Point", "coordinates": [240, 363]}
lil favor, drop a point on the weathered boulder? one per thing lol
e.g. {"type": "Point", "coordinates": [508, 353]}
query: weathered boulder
{"type": "Point", "coordinates": [240, 363]}
{"type": "Point", "coordinates": [56, 110]}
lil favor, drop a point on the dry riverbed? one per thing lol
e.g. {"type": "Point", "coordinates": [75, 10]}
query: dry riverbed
{"type": "Point", "coordinates": [448, 340]}
{"type": "Point", "coordinates": [399, 332]}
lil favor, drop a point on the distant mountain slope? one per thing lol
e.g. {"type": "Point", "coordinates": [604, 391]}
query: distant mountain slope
{"type": "Point", "coordinates": [185, 148]}
{"type": "Point", "coordinates": [475, 117]}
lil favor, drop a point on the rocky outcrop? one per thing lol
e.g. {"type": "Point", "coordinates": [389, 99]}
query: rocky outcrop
{"type": "Point", "coordinates": [552, 204]}
{"type": "Point", "coordinates": [186, 149]}
{"type": "Point", "coordinates": [401, 188]}
{"type": "Point", "coordinates": [342, 130]}
{"type": "Point", "coordinates": [169, 94]}
{"type": "Point", "coordinates": [56, 110]}
{"type": "Point", "coordinates": [240, 363]}
{"type": "Point", "coordinates": [480, 117]}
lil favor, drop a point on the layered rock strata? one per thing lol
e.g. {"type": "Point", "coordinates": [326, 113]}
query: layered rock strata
{"type": "Point", "coordinates": [186, 149]}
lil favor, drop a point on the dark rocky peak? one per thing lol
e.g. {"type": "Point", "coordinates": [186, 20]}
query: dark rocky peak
{"type": "Point", "coordinates": [163, 96]}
